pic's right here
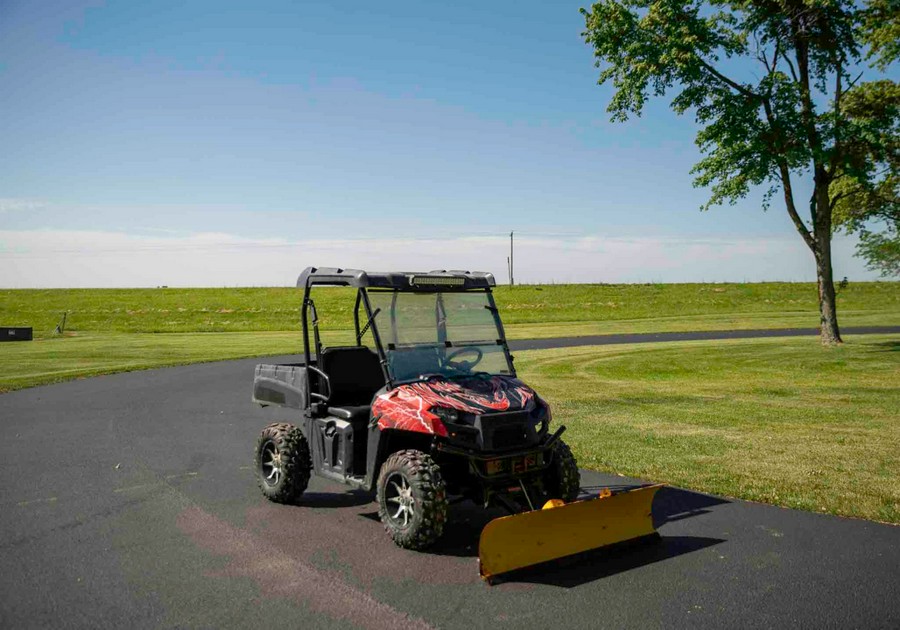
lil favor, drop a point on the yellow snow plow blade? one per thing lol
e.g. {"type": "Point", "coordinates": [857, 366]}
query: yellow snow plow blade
{"type": "Point", "coordinates": [559, 530]}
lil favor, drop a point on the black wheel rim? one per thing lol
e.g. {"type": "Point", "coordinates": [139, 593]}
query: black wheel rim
{"type": "Point", "coordinates": [399, 500]}
{"type": "Point", "coordinates": [270, 464]}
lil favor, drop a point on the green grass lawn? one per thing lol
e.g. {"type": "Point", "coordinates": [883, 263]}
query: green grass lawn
{"type": "Point", "coordinates": [530, 310]}
{"type": "Point", "coordinates": [780, 421]}
{"type": "Point", "coordinates": [783, 421]}
{"type": "Point", "coordinates": [55, 359]}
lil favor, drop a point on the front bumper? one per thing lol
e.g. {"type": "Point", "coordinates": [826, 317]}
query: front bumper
{"type": "Point", "coordinates": [482, 463]}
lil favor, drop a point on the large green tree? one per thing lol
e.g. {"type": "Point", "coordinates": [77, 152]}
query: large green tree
{"type": "Point", "coordinates": [781, 90]}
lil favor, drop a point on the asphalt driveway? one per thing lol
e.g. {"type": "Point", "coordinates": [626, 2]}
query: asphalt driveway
{"type": "Point", "coordinates": [129, 500]}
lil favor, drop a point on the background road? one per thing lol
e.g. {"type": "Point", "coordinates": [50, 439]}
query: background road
{"type": "Point", "coordinates": [604, 340]}
{"type": "Point", "coordinates": [129, 500]}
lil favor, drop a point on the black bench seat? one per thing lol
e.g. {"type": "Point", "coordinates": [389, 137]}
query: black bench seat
{"type": "Point", "coordinates": [355, 375]}
{"type": "Point", "coordinates": [353, 413]}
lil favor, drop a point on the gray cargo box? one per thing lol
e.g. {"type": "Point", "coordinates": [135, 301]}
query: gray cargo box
{"type": "Point", "coordinates": [285, 385]}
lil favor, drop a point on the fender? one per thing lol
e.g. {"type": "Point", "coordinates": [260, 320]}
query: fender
{"type": "Point", "coordinates": [383, 442]}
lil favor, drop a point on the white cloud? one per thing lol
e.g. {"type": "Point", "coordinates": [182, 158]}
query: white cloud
{"type": "Point", "coordinates": [13, 204]}
{"type": "Point", "coordinates": [115, 259]}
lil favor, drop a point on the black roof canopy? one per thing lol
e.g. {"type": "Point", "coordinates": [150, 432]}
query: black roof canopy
{"type": "Point", "coordinates": [402, 280]}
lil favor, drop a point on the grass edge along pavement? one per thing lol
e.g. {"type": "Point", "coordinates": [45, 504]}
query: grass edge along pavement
{"type": "Point", "coordinates": [56, 359]}
{"type": "Point", "coordinates": [777, 420]}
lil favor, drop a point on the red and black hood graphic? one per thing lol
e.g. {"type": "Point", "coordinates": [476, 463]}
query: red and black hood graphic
{"type": "Point", "coordinates": [408, 407]}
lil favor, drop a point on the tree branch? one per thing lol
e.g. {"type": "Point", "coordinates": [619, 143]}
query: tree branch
{"type": "Point", "coordinates": [791, 66]}
{"type": "Point", "coordinates": [721, 77]}
{"type": "Point", "coordinates": [761, 55]}
{"type": "Point", "coordinates": [801, 49]}
{"type": "Point", "coordinates": [837, 151]}
{"type": "Point", "coordinates": [808, 116]}
{"type": "Point", "coordinates": [845, 194]}
{"type": "Point", "coordinates": [775, 55]}
{"type": "Point", "coordinates": [812, 207]}
{"type": "Point", "coordinates": [792, 209]}
{"type": "Point", "coordinates": [785, 174]}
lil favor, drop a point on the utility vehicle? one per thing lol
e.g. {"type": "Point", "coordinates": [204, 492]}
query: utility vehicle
{"type": "Point", "coordinates": [425, 404]}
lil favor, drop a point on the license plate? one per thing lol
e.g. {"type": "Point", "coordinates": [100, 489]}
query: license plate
{"type": "Point", "coordinates": [514, 465]}
{"type": "Point", "coordinates": [522, 464]}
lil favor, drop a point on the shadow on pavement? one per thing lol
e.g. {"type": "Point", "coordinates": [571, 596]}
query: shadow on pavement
{"type": "Point", "coordinates": [462, 531]}
{"type": "Point", "coordinates": [340, 499]}
{"type": "Point", "coordinates": [671, 504]}
{"type": "Point", "coordinates": [601, 563]}
{"type": "Point", "coordinates": [466, 521]}
{"type": "Point", "coordinates": [675, 504]}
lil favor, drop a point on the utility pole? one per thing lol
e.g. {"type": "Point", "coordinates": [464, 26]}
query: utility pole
{"type": "Point", "coordinates": [512, 282]}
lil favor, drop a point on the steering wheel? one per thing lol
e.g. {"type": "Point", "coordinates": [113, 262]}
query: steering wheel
{"type": "Point", "coordinates": [463, 366]}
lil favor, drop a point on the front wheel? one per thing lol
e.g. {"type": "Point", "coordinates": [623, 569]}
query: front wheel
{"type": "Point", "coordinates": [412, 499]}
{"type": "Point", "coordinates": [563, 479]}
{"type": "Point", "coordinates": [282, 462]}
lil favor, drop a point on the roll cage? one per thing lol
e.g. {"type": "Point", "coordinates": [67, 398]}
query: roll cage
{"type": "Point", "coordinates": [439, 281]}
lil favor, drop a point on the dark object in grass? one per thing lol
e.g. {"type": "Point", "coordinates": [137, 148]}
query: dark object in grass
{"type": "Point", "coordinates": [61, 326]}
{"type": "Point", "coordinates": [16, 333]}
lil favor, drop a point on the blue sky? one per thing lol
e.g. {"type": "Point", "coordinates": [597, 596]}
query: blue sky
{"type": "Point", "coordinates": [228, 143]}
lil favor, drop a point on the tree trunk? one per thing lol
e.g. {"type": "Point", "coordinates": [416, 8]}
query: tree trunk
{"type": "Point", "coordinates": [829, 332]}
{"type": "Point", "coordinates": [828, 323]}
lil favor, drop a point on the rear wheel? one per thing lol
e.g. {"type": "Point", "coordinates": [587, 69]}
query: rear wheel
{"type": "Point", "coordinates": [282, 462]}
{"type": "Point", "coordinates": [563, 479]}
{"type": "Point", "coordinates": [412, 499]}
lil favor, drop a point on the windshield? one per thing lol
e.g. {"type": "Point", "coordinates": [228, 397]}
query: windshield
{"type": "Point", "coordinates": [448, 334]}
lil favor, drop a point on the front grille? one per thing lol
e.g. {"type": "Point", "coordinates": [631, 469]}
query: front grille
{"type": "Point", "coordinates": [506, 430]}
{"type": "Point", "coordinates": [509, 436]}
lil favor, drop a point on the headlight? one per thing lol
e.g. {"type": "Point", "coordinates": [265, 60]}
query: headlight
{"type": "Point", "coordinates": [541, 411]}
{"type": "Point", "coordinates": [541, 417]}
{"type": "Point", "coordinates": [446, 413]}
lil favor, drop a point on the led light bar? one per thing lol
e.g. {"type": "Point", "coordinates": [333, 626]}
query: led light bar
{"type": "Point", "coordinates": [437, 281]}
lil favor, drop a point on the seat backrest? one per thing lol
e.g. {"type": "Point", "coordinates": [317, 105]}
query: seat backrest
{"type": "Point", "coordinates": [355, 374]}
